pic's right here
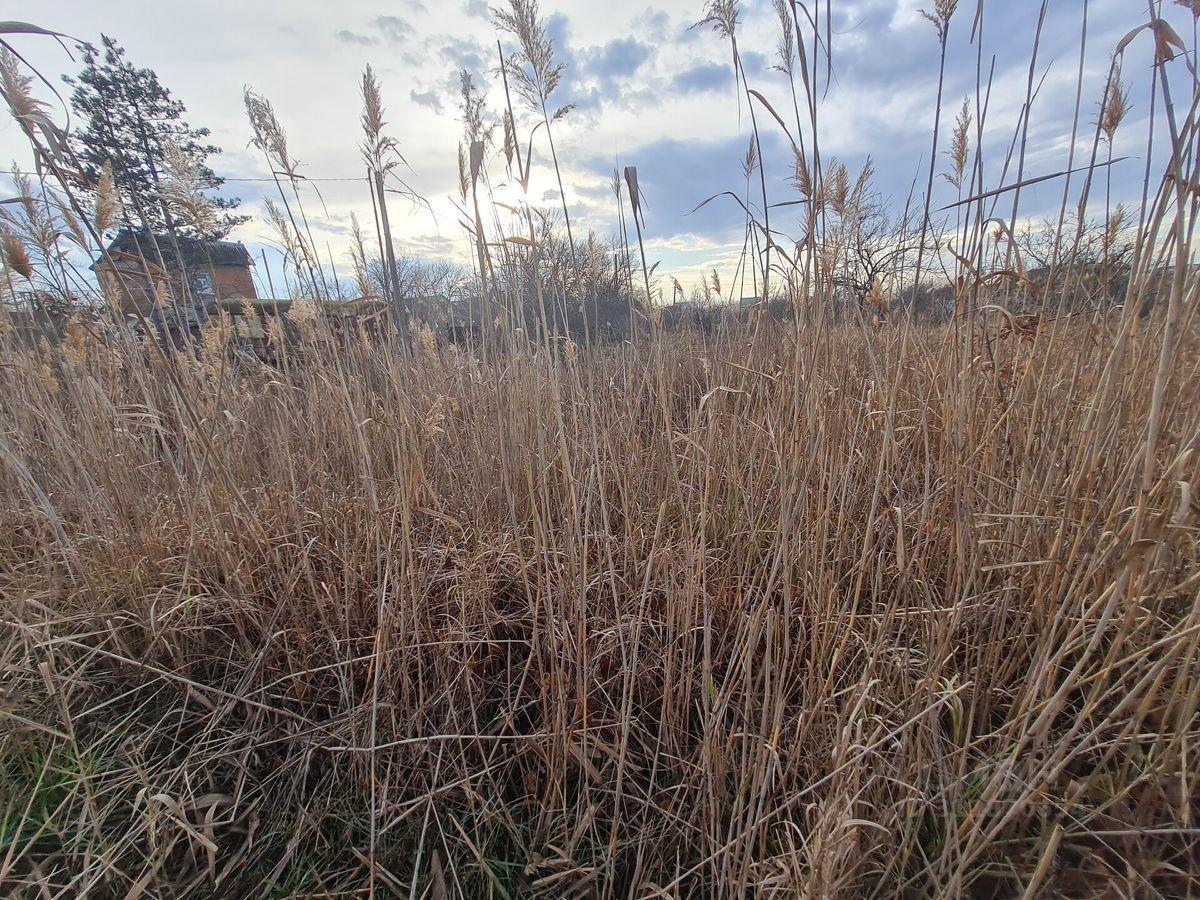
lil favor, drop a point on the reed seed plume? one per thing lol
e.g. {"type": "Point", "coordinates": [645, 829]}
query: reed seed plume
{"type": "Point", "coordinates": [108, 205]}
{"type": "Point", "coordinates": [17, 87]}
{"type": "Point", "coordinates": [16, 255]}
{"type": "Point", "coordinates": [836, 191]}
{"type": "Point", "coordinates": [26, 196]}
{"type": "Point", "coordinates": [182, 191]}
{"type": "Point", "coordinates": [72, 224]}
{"type": "Point", "coordinates": [786, 48]}
{"type": "Point", "coordinates": [943, 11]}
{"type": "Point", "coordinates": [722, 16]}
{"type": "Point", "coordinates": [358, 257]}
{"type": "Point", "coordinates": [464, 173]}
{"type": "Point", "coordinates": [268, 134]}
{"type": "Point", "coordinates": [533, 70]}
{"type": "Point", "coordinates": [33, 220]}
{"type": "Point", "coordinates": [1115, 104]}
{"type": "Point", "coordinates": [288, 239]}
{"type": "Point", "coordinates": [862, 184]}
{"type": "Point", "coordinates": [381, 152]}
{"type": "Point", "coordinates": [1113, 227]}
{"type": "Point", "coordinates": [750, 161]}
{"type": "Point", "coordinates": [473, 109]}
{"type": "Point", "coordinates": [959, 146]}
{"type": "Point", "coordinates": [510, 142]}
{"type": "Point", "coordinates": [801, 179]}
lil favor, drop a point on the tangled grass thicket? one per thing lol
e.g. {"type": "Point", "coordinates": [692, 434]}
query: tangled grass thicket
{"type": "Point", "coordinates": [767, 614]}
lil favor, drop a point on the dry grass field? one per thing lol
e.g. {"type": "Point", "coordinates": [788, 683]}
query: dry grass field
{"type": "Point", "coordinates": [821, 606]}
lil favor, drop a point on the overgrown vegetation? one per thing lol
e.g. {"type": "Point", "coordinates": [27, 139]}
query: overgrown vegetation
{"type": "Point", "coordinates": [886, 587]}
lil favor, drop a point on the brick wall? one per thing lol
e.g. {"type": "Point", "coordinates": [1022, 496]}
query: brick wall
{"type": "Point", "coordinates": [233, 281]}
{"type": "Point", "coordinates": [127, 289]}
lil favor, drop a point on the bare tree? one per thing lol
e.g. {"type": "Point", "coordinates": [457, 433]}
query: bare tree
{"type": "Point", "coordinates": [878, 244]}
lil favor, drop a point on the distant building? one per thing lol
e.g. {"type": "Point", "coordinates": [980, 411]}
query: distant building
{"type": "Point", "coordinates": [38, 315]}
{"type": "Point", "coordinates": [142, 273]}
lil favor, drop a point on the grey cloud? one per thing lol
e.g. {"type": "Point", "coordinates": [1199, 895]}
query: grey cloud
{"type": "Point", "coordinates": [393, 27]}
{"type": "Point", "coordinates": [597, 192]}
{"type": "Point", "coordinates": [431, 246]}
{"type": "Point", "coordinates": [702, 77]}
{"type": "Point", "coordinates": [677, 175]}
{"type": "Point", "coordinates": [655, 23]}
{"type": "Point", "coordinates": [754, 62]}
{"type": "Point", "coordinates": [464, 54]}
{"type": "Point", "coordinates": [597, 74]}
{"type": "Point", "coordinates": [353, 37]}
{"type": "Point", "coordinates": [428, 99]}
{"type": "Point", "coordinates": [620, 58]}
{"type": "Point", "coordinates": [558, 27]}
{"type": "Point", "coordinates": [478, 9]}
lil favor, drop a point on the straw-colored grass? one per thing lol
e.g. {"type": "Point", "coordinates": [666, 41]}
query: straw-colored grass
{"type": "Point", "coordinates": [774, 615]}
{"type": "Point", "coordinates": [890, 589]}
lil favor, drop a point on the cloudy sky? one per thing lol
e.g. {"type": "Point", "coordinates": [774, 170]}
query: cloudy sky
{"type": "Point", "coordinates": [649, 91]}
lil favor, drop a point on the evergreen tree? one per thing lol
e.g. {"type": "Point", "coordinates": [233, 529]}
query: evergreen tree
{"type": "Point", "coordinates": [129, 120]}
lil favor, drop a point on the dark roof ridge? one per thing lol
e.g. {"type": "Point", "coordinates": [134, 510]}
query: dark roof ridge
{"type": "Point", "coordinates": [195, 251]}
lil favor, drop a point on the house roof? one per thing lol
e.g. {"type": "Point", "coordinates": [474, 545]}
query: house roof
{"type": "Point", "coordinates": [195, 252]}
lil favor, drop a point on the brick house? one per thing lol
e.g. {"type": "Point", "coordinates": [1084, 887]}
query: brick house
{"type": "Point", "coordinates": [145, 276]}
